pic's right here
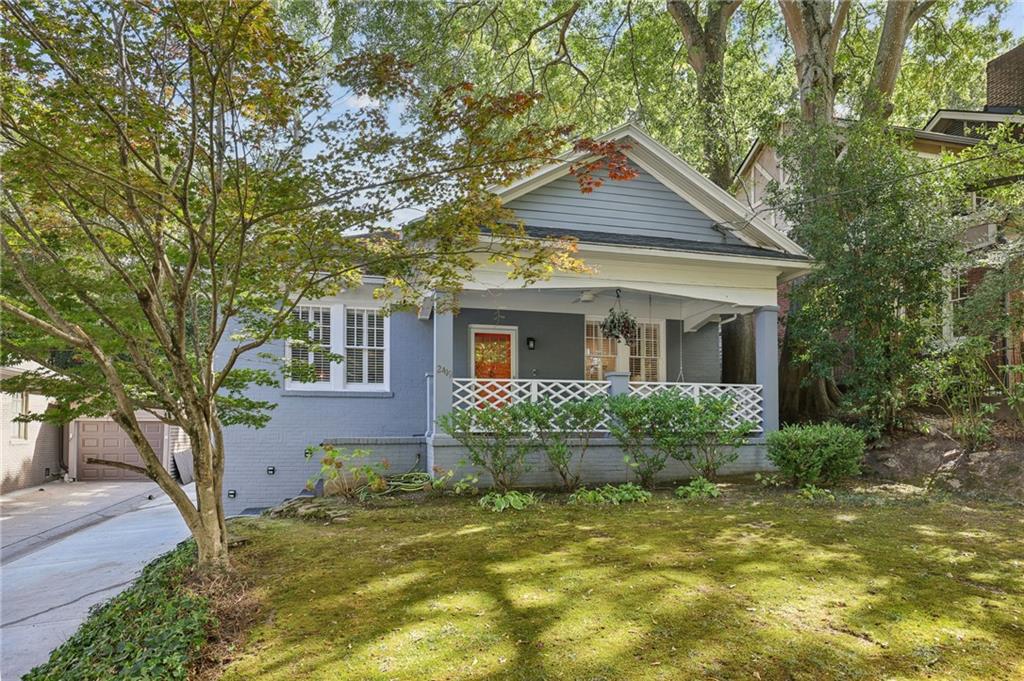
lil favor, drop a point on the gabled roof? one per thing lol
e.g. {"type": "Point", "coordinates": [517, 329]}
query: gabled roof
{"type": "Point", "coordinates": [644, 241]}
{"type": "Point", "coordinates": [972, 117]}
{"type": "Point", "coordinates": [678, 176]}
{"type": "Point", "coordinates": [958, 140]}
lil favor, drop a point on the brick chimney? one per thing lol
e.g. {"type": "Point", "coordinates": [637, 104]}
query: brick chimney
{"type": "Point", "coordinates": [1005, 75]}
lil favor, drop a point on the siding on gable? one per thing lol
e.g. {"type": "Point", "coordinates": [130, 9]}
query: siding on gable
{"type": "Point", "coordinates": [641, 206]}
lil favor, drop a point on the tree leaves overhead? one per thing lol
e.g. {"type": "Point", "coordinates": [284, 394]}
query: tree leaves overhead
{"type": "Point", "coordinates": [600, 62]}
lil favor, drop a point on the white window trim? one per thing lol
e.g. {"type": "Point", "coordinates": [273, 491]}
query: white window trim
{"type": "Point", "coordinates": [22, 403]}
{"type": "Point", "coordinates": [493, 328]}
{"type": "Point", "coordinates": [662, 340]}
{"type": "Point", "coordinates": [338, 382]}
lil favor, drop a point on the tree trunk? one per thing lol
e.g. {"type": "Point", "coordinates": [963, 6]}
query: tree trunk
{"type": "Point", "coordinates": [900, 17]}
{"type": "Point", "coordinates": [738, 351]}
{"type": "Point", "coordinates": [706, 43]}
{"type": "Point", "coordinates": [211, 531]}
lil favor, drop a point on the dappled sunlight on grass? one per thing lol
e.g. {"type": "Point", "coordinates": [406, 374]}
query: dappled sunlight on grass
{"type": "Point", "coordinates": [669, 590]}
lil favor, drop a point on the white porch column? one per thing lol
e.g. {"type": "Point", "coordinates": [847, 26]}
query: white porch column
{"type": "Point", "coordinates": [443, 364]}
{"type": "Point", "coordinates": [766, 353]}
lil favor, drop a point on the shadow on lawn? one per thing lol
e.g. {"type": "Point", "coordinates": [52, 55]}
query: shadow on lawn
{"type": "Point", "coordinates": [669, 591]}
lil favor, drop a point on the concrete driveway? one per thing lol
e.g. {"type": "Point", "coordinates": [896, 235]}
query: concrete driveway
{"type": "Point", "coordinates": [67, 549]}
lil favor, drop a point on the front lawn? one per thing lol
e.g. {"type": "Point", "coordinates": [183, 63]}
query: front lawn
{"type": "Point", "coordinates": [751, 587]}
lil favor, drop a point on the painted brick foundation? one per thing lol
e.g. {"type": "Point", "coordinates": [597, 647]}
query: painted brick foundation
{"type": "Point", "coordinates": [604, 463]}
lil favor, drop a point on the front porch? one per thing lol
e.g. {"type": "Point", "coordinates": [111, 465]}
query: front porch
{"type": "Point", "coordinates": [528, 346]}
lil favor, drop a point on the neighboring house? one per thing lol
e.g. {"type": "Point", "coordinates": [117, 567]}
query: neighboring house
{"type": "Point", "coordinates": [682, 255]}
{"type": "Point", "coordinates": [948, 131]}
{"type": "Point", "coordinates": [102, 438]}
{"type": "Point", "coordinates": [30, 451]}
{"type": "Point", "coordinates": [33, 452]}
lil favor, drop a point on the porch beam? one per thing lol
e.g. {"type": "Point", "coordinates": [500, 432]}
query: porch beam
{"type": "Point", "coordinates": [695, 321]}
{"type": "Point", "coordinates": [766, 354]}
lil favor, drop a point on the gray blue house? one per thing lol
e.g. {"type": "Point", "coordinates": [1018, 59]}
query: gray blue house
{"type": "Point", "coordinates": [682, 255]}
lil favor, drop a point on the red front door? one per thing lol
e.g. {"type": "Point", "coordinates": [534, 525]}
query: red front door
{"type": "Point", "coordinates": [492, 354]}
{"type": "Point", "coordinates": [492, 358]}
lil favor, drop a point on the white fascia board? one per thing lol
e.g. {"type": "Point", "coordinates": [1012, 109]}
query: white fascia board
{"type": "Point", "coordinates": [643, 252]}
{"type": "Point", "coordinates": [977, 116]}
{"type": "Point", "coordinates": [728, 209]}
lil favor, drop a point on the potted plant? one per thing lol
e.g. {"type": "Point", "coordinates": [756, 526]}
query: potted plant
{"type": "Point", "coordinates": [619, 324]}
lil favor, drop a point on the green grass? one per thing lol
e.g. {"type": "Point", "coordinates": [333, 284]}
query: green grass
{"type": "Point", "coordinates": [752, 587]}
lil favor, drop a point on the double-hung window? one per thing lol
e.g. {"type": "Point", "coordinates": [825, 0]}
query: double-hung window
{"type": "Point", "coordinates": [359, 335]}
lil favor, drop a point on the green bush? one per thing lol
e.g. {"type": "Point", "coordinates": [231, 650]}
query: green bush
{"type": "Point", "coordinates": [698, 488]}
{"type": "Point", "coordinates": [958, 380]}
{"type": "Point", "coordinates": [809, 454]}
{"type": "Point", "coordinates": [555, 426]}
{"type": "Point", "coordinates": [152, 630]}
{"type": "Point", "coordinates": [708, 434]}
{"type": "Point", "coordinates": [632, 424]}
{"type": "Point", "coordinates": [508, 501]}
{"type": "Point", "coordinates": [626, 493]}
{"type": "Point", "coordinates": [339, 476]}
{"type": "Point", "coordinates": [669, 424]}
{"type": "Point", "coordinates": [812, 493]}
{"type": "Point", "coordinates": [497, 439]}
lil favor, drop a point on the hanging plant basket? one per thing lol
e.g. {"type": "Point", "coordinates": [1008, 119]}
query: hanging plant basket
{"type": "Point", "coordinates": [620, 325]}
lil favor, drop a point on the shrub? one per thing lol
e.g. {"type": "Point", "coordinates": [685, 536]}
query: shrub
{"type": "Point", "coordinates": [768, 480]}
{"type": "Point", "coordinates": [709, 434]}
{"type": "Point", "coordinates": [698, 488]}
{"type": "Point", "coordinates": [625, 493]}
{"type": "Point", "coordinates": [957, 380]}
{"type": "Point", "coordinates": [466, 486]}
{"type": "Point", "coordinates": [340, 477]}
{"type": "Point", "coordinates": [631, 424]}
{"type": "Point", "coordinates": [511, 500]}
{"type": "Point", "coordinates": [152, 630]}
{"type": "Point", "coordinates": [497, 439]}
{"type": "Point", "coordinates": [807, 454]}
{"type": "Point", "coordinates": [557, 425]}
{"type": "Point", "coordinates": [812, 493]}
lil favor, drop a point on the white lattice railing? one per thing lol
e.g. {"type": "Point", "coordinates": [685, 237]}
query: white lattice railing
{"type": "Point", "coordinates": [746, 398]}
{"type": "Point", "coordinates": [479, 392]}
{"type": "Point", "coordinates": [469, 393]}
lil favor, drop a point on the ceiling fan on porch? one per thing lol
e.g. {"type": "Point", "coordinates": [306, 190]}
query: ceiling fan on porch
{"type": "Point", "coordinates": [587, 296]}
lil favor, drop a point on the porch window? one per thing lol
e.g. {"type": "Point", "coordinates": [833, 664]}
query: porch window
{"type": "Point", "coordinates": [600, 352]}
{"type": "Point", "coordinates": [645, 353]}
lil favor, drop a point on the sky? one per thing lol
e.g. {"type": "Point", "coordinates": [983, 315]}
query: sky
{"type": "Point", "coordinates": [1015, 18]}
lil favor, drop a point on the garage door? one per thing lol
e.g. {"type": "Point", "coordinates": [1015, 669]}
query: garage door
{"type": "Point", "coordinates": [106, 440]}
